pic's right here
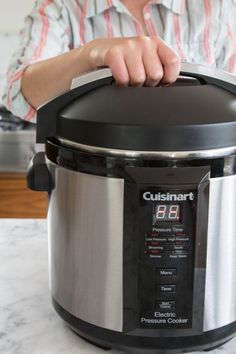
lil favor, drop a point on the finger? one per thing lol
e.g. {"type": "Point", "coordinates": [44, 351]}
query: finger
{"type": "Point", "coordinates": [153, 66]}
{"type": "Point", "coordinates": [136, 70]}
{"type": "Point", "coordinates": [170, 62]}
{"type": "Point", "coordinates": [115, 61]}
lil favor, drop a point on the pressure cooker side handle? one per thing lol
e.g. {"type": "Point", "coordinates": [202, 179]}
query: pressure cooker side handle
{"type": "Point", "coordinates": [38, 175]}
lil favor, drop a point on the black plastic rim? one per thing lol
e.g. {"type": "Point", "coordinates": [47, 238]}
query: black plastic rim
{"type": "Point", "coordinates": [108, 166]}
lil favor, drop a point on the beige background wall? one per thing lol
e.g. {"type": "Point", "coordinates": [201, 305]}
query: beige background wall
{"type": "Point", "coordinates": [11, 21]}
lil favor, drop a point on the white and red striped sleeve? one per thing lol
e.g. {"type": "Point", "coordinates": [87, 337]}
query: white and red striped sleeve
{"type": "Point", "coordinates": [230, 62]}
{"type": "Point", "coordinates": [46, 34]}
{"type": "Point", "coordinates": [226, 46]}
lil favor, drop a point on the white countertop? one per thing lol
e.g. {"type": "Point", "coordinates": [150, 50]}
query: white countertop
{"type": "Point", "coordinates": [28, 322]}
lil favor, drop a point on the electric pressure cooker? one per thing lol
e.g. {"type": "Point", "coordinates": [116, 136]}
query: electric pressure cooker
{"type": "Point", "coordinates": [142, 210]}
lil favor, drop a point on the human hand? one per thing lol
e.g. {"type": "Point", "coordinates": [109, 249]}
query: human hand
{"type": "Point", "coordinates": [135, 61]}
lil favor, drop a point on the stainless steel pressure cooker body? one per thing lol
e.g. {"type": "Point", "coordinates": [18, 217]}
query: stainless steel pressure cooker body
{"type": "Point", "coordinates": [142, 202]}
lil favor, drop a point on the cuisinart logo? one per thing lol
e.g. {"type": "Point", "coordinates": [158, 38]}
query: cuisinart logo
{"type": "Point", "coordinates": [167, 196]}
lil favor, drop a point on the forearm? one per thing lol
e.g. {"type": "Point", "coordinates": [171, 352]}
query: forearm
{"type": "Point", "coordinates": [49, 78]}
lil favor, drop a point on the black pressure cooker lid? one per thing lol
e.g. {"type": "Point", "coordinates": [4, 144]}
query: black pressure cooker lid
{"type": "Point", "coordinates": [194, 114]}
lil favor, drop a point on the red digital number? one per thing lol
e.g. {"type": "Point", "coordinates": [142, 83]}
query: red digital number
{"type": "Point", "coordinates": [174, 212]}
{"type": "Point", "coordinates": [161, 212]}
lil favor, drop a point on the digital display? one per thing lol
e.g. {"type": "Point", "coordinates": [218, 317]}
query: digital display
{"type": "Point", "coordinates": [166, 212]}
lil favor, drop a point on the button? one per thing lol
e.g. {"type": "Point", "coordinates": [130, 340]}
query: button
{"type": "Point", "coordinates": [154, 243]}
{"type": "Point", "coordinates": [166, 272]}
{"type": "Point", "coordinates": [167, 288]}
{"type": "Point", "coordinates": [165, 305]}
{"type": "Point", "coordinates": [153, 234]}
{"type": "Point", "coordinates": [155, 251]}
{"type": "Point", "coordinates": [180, 234]}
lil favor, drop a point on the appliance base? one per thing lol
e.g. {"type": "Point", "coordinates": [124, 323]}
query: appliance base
{"type": "Point", "coordinates": [134, 345]}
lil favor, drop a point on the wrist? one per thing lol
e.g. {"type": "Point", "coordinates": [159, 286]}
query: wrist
{"type": "Point", "coordinates": [81, 63]}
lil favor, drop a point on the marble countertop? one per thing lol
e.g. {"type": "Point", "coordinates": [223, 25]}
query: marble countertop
{"type": "Point", "coordinates": [28, 322]}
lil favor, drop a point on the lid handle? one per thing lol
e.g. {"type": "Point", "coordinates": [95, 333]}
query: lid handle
{"type": "Point", "coordinates": [204, 74]}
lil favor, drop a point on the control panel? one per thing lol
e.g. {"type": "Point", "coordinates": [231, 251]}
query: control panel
{"type": "Point", "coordinates": [166, 266]}
{"type": "Point", "coordinates": [164, 252]}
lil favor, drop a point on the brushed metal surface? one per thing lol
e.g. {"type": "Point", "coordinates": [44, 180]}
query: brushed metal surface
{"type": "Point", "coordinates": [220, 293]}
{"type": "Point", "coordinates": [86, 246]}
{"type": "Point", "coordinates": [90, 77]}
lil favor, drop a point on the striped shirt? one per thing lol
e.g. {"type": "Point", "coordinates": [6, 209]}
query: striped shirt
{"type": "Point", "coordinates": [201, 31]}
